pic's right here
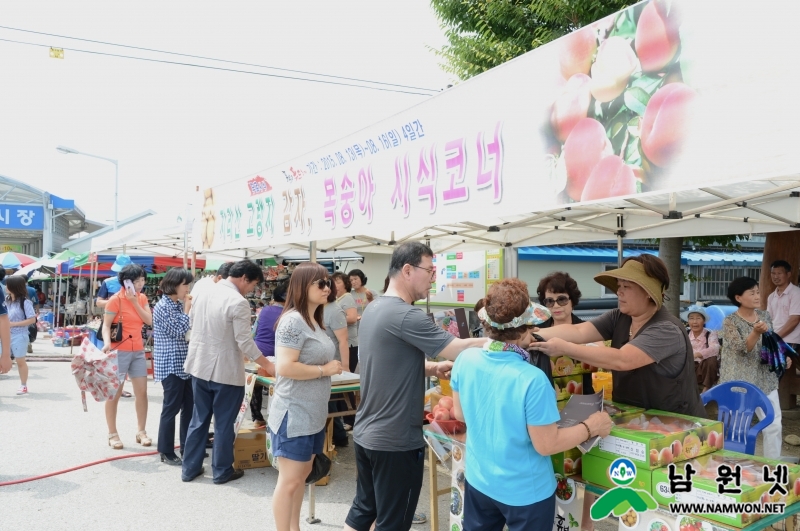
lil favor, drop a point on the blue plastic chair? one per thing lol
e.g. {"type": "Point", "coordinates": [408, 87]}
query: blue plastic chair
{"type": "Point", "coordinates": [737, 402]}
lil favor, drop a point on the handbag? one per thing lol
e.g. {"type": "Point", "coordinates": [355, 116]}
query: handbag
{"type": "Point", "coordinates": [32, 333]}
{"type": "Point", "coordinates": [116, 328]}
{"type": "Point", "coordinates": [320, 467]}
{"type": "Point", "coordinates": [541, 360]}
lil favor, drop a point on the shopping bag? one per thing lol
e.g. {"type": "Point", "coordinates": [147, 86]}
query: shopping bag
{"type": "Point", "coordinates": [95, 371]}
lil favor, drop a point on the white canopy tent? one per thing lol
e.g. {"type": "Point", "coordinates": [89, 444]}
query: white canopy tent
{"type": "Point", "coordinates": [702, 143]}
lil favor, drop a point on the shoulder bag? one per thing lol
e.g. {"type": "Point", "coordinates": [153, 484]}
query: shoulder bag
{"type": "Point", "coordinates": [116, 327]}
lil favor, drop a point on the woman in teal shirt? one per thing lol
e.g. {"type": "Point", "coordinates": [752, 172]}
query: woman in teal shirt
{"type": "Point", "coordinates": [509, 475]}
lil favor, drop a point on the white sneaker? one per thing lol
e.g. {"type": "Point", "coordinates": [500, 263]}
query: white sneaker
{"type": "Point", "coordinates": [23, 390]}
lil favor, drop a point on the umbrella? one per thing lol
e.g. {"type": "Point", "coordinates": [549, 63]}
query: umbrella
{"type": "Point", "coordinates": [15, 260]}
{"type": "Point", "coordinates": [96, 372]}
{"type": "Point", "coordinates": [47, 263]}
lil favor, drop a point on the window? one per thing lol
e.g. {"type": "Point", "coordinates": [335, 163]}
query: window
{"type": "Point", "coordinates": [715, 279]}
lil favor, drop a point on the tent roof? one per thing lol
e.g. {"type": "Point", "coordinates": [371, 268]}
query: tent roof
{"type": "Point", "coordinates": [609, 255]}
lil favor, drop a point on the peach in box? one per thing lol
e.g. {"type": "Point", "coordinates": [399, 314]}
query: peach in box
{"type": "Point", "coordinates": [655, 438]}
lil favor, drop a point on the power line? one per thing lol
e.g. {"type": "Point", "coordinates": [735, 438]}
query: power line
{"type": "Point", "coordinates": [215, 59]}
{"type": "Point", "coordinates": [221, 69]}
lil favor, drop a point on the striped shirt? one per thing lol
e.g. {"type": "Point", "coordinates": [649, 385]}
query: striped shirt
{"type": "Point", "coordinates": [170, 347]}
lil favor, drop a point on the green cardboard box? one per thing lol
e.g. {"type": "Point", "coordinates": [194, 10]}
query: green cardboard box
{"type": "Point", "coordinates": [566, 366]}
{"type": "Point", "coordinates": [567, 463]}
{"type": "Point", "coordinates": [576, 384]}
{"type": "Point", "coordinates": [637, 437]}
{"type": "Point", "coordinates": [705, 486]}
{"type": "Point", "coordinates": [616, 409]}
{"type": "Point", "coordinates": [595, 470]}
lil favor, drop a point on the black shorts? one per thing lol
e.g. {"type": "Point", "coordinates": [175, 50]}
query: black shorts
{"type": "Point", "coordinates": [387, 489]}
{"type": "Point", "coordinates": [482, 513]}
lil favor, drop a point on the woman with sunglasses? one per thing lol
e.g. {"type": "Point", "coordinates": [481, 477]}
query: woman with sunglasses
{"type": "Point", "coordinates": [304, 364]}
{"type": "Point", "coordinates": [559, 292]}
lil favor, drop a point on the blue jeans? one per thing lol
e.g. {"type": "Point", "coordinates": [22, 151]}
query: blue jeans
{"type": "Point", "coordinates": [223, 402]}
{"type": "Point", "coordinates": [178, 397]}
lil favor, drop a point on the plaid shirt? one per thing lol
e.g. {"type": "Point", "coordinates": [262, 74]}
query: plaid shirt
{"type": "Point", "coordinates": [170, 347]}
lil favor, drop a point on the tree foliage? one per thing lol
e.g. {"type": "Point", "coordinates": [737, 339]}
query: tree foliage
{"type": "Point", "coordinates": [483, 34]}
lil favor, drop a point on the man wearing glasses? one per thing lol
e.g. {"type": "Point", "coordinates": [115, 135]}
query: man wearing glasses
{"type": "Point", "coordinates": [396, 340]}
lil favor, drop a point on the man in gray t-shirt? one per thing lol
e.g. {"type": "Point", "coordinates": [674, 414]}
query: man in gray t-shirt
{"type": "Point", "coordinates": [394, 340]}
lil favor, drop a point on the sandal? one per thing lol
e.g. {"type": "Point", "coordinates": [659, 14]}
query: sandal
{"type": "Point", "coordinates": [143, 439]}
{"type": "Point", "coordinates": [117, 444]}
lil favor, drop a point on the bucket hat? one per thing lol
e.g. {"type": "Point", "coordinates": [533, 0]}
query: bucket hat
{"type": "Point", "coordinates": [633, 271]}
{"type": "Point", "coordinates": [695, 309]}
{"type": "Point", "coordinates": [121, 261]}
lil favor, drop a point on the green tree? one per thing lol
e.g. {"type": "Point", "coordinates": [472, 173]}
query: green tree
{"type": "Point", "coordinates": [483, 34]}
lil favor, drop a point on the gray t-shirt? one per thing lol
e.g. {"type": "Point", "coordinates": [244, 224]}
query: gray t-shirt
{"type": "Point", "coordinates": [347, 301]}
{"type": "Point", "coordinates": [394, 338]}
{"type": "Point", "coordinates": [662, 341]}
{"type": "Point", "coordinates": [334, 319]}
{"type": "Point", "coordinates": [305, 401]}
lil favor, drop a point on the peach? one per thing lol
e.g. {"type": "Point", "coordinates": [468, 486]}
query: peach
{"type": "Point", "coordinates": [569, 466]}
{"type": "Point", "coordinates": [445, 402]}
{"type": "Point", "coordinates": [610, 178]}
{"type": "Point", "coordinates": [441, 414]}
{"type": "Point", "coordinates": [712, 439]}
{"type": "Point", "coordinates": [657, 37]}
{"type": "Point", "coordinates": [571, 385]}
{"type": "Point", "coordinates": [612, 69]}
{"type": "Point", "coordinates": [665, 457]}
{"type": "Point", "coordinates": [578, 389]}
{"type": "Point", "coordinates": [676, 448]}
{"type": "Point", "coordinates": [578, 466]}
{"type": "Point", "coordinates": [571, 105]}
{"type": "Point", "coordinates": [653, 457]}
{"type": "Point", "coordinates": [797, 487]}
{"type": "Point", "coordinates": [664, 122]}
{"type": "Point", "coordinates": [586, 367]}
{"type": "Point", "coordinates": [452, 413]}
{"type": "Point", "coordinates": [577, 52]}
{"type": "Point", "coordinates": [585, 146]}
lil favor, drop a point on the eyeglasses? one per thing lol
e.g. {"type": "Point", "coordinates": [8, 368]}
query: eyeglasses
{"type": "Point", "coordinates": [322, 283]}
{"type": "Point", "coordinates": [562, 300]}
{"type": "Point", "coordinates": [431, 272]}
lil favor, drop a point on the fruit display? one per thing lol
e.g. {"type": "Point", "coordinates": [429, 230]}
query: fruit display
{"type": "Point", "coordinates": [575, 384]}
{"type": "Point", "coordinates": [566, 366]}
{"type": "Point", "coordinates": [621, 118]}
{"type": "Point", "coordinates": [568, 462]}
{"type": "Point", "coordinates": [705, 486]}
{"type": "Point", "coordinates": [615, 409]}
{"type": "Point", "coordinates": [655, 439]}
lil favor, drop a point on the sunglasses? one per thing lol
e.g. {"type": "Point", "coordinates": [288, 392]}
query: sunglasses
{"type": "Point", "coordinates": [562, 300]}
{"type": "Point", "coordinates": [322, 283]}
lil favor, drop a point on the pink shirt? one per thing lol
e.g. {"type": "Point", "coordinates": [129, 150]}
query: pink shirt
{"type": "Point", "coordinates": [783, 306]}
{"type": "Point", "coordinates": [699, 343]}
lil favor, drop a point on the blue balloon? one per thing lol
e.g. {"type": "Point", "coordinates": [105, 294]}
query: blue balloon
{"type": "Point", "coordinates": [716, 314]}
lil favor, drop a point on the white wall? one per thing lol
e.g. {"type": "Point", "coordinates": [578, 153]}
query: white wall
{"type": "Point", "coordinates": [375, 267]}
{"type": "Point", "coordinates": [532, 271]}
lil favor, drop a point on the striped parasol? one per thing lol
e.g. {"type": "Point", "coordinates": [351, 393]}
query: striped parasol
{"type": "Point", "coordinates": [15, 260]}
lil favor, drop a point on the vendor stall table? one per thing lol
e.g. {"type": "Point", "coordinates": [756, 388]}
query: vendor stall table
{"type": "Point", "coordinates": [440, 447]}
{"type": "Point", "coordinates": [341, 385]}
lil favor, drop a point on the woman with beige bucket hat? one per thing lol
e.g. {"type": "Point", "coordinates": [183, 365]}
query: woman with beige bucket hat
{"type": "Point", "coordinates": [650, 357]}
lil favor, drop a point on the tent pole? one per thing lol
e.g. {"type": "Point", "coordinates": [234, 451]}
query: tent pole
{"type": "Point", "coordinates": [620, 234]}
{"type": "Point", "coordinates": [312, 252]}
{"type": "Point", "coordinates": [194, 263]}
{"type": "Point", "coordinates": [428, 295]}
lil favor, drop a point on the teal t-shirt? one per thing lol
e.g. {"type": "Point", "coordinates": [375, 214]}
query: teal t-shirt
{"type": "Point", "coordinates": [501, 395]}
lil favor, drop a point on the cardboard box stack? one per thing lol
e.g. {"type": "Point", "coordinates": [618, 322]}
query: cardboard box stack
{"type": "Point", "coordinates": [250, 448]}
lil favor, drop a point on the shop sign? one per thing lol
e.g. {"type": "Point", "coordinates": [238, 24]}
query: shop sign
{"type": "Point", "coordinates": [10, 248]}
{"type": "Point", "coordinates": [21, 217]}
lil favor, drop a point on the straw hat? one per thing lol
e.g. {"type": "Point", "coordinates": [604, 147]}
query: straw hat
{"type": "Point", "coordinates": [633, 271]}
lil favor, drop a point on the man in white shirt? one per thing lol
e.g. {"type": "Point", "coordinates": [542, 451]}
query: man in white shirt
{"type": "Point", "coordinates": [783, 304]}
{"type": "Point", "coordinates": [221, 339]}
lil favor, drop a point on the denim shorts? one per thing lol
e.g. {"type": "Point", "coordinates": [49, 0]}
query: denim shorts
{"type": "Point", "coordinates": [19, 344]}
{"type": "Point", "coordinates": [301, 448]}
{"type": "Point", "coordinates": [132, 363]}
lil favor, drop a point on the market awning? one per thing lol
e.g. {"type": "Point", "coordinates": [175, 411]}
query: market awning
{"type": "Point", "coordinates": [609, 255]}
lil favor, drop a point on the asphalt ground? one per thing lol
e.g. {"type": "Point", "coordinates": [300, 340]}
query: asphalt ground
{"type": "Point", "coordinates": [47, 431]}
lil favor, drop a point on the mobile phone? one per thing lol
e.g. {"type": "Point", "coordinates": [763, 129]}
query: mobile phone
{"type": "Point", "coordinates": [129, 286]}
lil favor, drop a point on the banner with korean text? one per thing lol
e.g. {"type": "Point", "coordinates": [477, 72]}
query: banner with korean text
{"type": "Point", "coordinates": [663, 96]}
